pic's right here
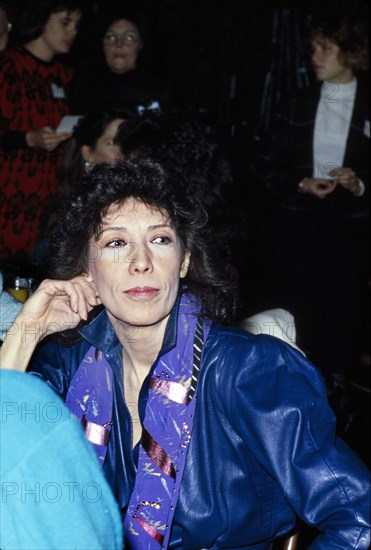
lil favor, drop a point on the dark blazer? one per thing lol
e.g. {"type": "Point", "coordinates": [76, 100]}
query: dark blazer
{"type": "Point", "coordinates": [287, 155]}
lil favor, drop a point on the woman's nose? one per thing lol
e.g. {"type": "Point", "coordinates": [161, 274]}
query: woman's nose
{"type": "Point", "coordinates": [315, 55]}
{"type": "Point", "coordinates": [140, 260]}
{"type": "Point", "coordinates": [73, 29]}
{"type": "Point", "coordinates": [120, 41]}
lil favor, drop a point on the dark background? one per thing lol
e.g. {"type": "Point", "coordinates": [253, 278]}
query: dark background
{"type": "Point", "coordinates": [215, 52]}
{"type": "Point", "coordinates": [216, 55]}
{"type": "Point", "coordinates": [204, 44]}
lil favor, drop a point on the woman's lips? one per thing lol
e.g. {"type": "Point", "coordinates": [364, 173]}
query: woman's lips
{"type": "Point", "coordinates": [142, 292]}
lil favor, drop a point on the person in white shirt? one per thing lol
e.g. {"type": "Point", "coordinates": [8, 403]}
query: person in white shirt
{"type": "Point", "coordinates": [334, 68]}
{"type": "Point", "coordinates": [316, 168]}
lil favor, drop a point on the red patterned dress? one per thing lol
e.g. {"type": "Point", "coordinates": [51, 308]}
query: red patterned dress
{"type": "Point", "coordinates": [33, 94]}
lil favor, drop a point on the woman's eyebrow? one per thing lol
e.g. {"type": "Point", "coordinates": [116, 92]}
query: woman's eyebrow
{"type": "Point", "coordinates": [121, 228]}
{"type": "Point", "coordinates": [150, 227]}
{"type": "Point", "coordinates": [160, 226]}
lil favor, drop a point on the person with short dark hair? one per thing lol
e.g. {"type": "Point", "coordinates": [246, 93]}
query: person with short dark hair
{"type": "Point", "coordinates": [348, 34]}
{"type": "Point", "coordinates": [209, 436]}
{"type": "Point", "coordinates": [316, 168]}
{"type": "Point", "coordinates": [33, 96]}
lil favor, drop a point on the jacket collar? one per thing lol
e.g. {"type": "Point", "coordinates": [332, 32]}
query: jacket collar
{"type": "Point", "coordinates": [101, 333]}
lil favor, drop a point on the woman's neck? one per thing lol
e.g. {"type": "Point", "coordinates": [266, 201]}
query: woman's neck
{"type": "Point", "coordinates": [38, 49]}
{"type": "Point", "coordinates": [344, 77]}
{"type": "Point", "coordinates": [141, 345]}
{"type": "Point", "coordinates": [141, 354]}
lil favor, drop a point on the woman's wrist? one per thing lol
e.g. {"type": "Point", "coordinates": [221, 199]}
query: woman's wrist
{"type": "Point", "coordinates": [18, 347]}
{"type": "Point", "coordinates": [29, 137]}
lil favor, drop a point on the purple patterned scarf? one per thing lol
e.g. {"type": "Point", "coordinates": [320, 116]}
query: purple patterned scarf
{"type": "Point", "coordinates": [166, 435]}
{"type": "Point", "coordinates": [90, 398]}
{"type": "Point", "coordinates": [167, 425]}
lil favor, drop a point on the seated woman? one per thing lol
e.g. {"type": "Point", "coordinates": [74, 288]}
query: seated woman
{"type": "Point", "coordinates": [210, 437]}
{"type": "Point", "coordinates": [92, 142]}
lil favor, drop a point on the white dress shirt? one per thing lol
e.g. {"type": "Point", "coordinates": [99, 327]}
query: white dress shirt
{"type": "Point", "coordinates": [331, 128]}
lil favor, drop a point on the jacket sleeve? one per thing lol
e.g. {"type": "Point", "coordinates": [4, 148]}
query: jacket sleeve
{"type": "Point", "coordinates": [53, 364]}
{"type": "Point", "coordinates": [9, 91]}
{"type": "Point", "coordinates": [290, 428]}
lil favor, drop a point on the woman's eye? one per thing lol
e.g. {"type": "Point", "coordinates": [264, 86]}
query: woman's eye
{"type": "Point", "coordinates": [115, 243]}
{"type": "Point", "coordinates": [162, 239]}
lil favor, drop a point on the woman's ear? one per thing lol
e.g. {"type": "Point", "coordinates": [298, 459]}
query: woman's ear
{"type": "Point", "coordinates": [185, 264]}
{"type": "Point", "coordinates": [86, 152]}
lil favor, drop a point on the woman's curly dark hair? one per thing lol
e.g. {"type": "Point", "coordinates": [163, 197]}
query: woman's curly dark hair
{"type": "Point", "coordinates": [183, 143]}
{"type": "Point", "coordinates": [349, 33]}
{"type": "Point", "coordinates": [209, 277]}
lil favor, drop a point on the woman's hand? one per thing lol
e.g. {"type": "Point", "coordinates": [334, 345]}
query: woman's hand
{"type": "Point", "coordinates": [55, 306]}
{"type": "Point", "coordinates": [318, 187]}
{"type": "Point", "coordinates": [347, 178]}
{"type": "Point", "coordinates": [46, 138]}
{"type": "Point", "coordinates": [58, 305]}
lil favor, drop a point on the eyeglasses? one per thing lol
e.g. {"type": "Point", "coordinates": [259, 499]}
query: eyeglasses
{"type": "Point", "coordinates": [129, 38]}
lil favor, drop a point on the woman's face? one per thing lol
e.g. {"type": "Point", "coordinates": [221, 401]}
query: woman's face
{"type": "Point", "coordinates": [121, 45]}
{"type": "Point", "coordinates": [136, 265]}
{"type": "Point", "coordinates": [105, 149]}
{"type": "Point", "coordinates": [326, 62]}
{"type": "Point", "coordinates": [60, 32]}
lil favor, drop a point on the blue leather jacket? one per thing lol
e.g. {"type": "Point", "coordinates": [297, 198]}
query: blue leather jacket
{"type": "Point", "coordinates": [263, 449]}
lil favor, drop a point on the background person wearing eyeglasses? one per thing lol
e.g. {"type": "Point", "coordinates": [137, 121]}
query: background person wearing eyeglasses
{"type": "Point", "coordinates": [116, 76]}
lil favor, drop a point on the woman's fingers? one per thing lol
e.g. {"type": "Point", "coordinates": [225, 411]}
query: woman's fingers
{"type": "Point", "coordinates": [344, 176]}
{"type": "Point", "coordinates": [319, 187]}
{"type": "Point", "coordinates": [46, 138]}
{"type": "Point", "coordinates": [76, 297]}
{"type": "Point", "coordinates": [86, 297]}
